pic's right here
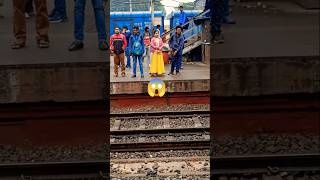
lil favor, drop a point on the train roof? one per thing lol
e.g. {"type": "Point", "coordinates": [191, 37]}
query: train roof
{"type": "Point", "coordinates": [136, 14]}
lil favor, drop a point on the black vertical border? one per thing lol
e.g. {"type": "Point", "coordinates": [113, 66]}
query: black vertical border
{"type": "Point", "coordinates": [107, 90]}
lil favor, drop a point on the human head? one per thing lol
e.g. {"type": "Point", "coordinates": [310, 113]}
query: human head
{"type": "Point", "coordinates": [146, 29]}
{"type": "Point", "coordinates": [178, 30]}
{"type": "Point", "coordinates": [117, 30]}
{"type": "Point", "coordinates": [181, 8]}
{"type": "Point", "coordinates": [125, 28]}
{"type": "Point", "coordinates": [158, 26]}
{"type": "Point", "coordinates": [135, 29]}
{"type": "Point", "coordinates": [157, 33]}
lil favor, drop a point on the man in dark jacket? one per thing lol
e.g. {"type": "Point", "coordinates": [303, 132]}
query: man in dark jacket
{"type": "Point", "coordinates": [176, 44]}
{"type": "Point", "coordinates": [118, 44]}
{"type": "Point", "coordinates": [136, 45]}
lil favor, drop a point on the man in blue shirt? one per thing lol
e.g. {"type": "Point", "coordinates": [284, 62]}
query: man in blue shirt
{"type": "Point", "coordinates": [182, 16]}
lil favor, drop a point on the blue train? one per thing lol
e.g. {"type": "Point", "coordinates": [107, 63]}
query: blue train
{"type": "Point", "coordinates": [140, 19]}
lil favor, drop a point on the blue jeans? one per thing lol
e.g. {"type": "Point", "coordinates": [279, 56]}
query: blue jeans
{"type": "Point", "coordinates": [100, 18]}
{"type": "Point", "coordinates": [139, 59]}
{"type": "Point", "coordinates": [59, 9]}
{"type": "Point", "coordinates": [127, 53]}
{"type": "Point", "coordinates": [176, 62]}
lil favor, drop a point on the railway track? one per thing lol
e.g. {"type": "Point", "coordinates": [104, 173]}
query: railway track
{"type": "Point", "coordinates": [267, 167]}
{"type": "Point", "coordinates": [166, 136]}
{"type": "Point", "coordinates": [259, 167]}
{"type": "Point", "coordinates": [90, 170]}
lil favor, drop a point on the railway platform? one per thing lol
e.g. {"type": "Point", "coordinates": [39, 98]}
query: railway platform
{"type": "Point", "coordinates": [194, 77]}
{"type": "Point", "coordinates": [33, 75]}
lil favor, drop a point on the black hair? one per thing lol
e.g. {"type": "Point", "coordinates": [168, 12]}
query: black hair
{"type": "Point", "coordinates": [136, 27]}
{"type": "Point", "coordinates": [180, 6]}
{"type": "Point", "coordinates": [158, 25]}
{"type": "Point", "coordinates": [125, 27]}
{"type": "Point", "coordinates": [116, 27]}
{"type": "Point", "coordinates": [146, 28]}
{"type": "Point", "coordinates": [179, 27]}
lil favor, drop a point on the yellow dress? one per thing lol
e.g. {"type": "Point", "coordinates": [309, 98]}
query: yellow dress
{"type": "Point", "coordinates": [157, 64]}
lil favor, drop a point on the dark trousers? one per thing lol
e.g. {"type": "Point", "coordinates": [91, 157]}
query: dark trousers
{"type": "Point", "coordinates": [217, 13]}
{"type": "Point", "coordinates": [19, 21]}
{"type": "Point", "coordinates": [29, 6]}
{"type": "Point", "coordinates": [176, 62]}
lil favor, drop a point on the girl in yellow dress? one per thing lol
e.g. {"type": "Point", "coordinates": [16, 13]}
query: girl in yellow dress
{"type": "Point", "coordinates": [157, 64]}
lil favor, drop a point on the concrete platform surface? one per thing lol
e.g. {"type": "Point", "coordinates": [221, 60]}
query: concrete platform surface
{"type": "Point", "coordinates": [270, 29]}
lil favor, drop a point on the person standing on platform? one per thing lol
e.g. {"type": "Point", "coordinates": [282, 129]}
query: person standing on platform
{"type": "Point", "coordinates": [147, 41]}
{"type": "Point", "coordinates": [157, 65]}
{"type": "Point", "coordinates": [79, 16]}
{"type": "Point", "coordinates": [182, 16]}
{"type": "Point", "coordinates": [176, 44]}
{"type": "Point", "coordinates": [137, 50]}
{"type": "Point", "coordinates": [219, 13]}
{"type": "Point", "coordinates": [126, 32]}
{"type": "Point", "coordinates": [59, 12]}
{"type": "Point", "coordinates": [118, 44]}
{"type": "Point", "coordinates": [19, 24]}
{"type": "Point", "coordinates": [227, 19]}
{"type": "Point", "coordinates": [158, 27]}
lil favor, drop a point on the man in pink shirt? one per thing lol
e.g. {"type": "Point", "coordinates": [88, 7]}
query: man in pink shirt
{"type": "Point", "coordinates": [118, 44]}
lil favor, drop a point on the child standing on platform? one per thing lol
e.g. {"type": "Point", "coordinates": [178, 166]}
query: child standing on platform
{"type": "Point", "coordinates": [157, 64]}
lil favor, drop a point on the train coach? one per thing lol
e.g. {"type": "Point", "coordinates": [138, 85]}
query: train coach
{"type": "Point", "coordinates": [139, 18]}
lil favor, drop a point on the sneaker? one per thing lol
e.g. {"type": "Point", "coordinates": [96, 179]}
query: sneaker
{"type": "Point", "coordinates": [142, 76]}
{"type": "Point", "coordinates": [43, 44]}
{"type": "Point", "coordinates": [133, 76]}
{"type": "Point", "coordinates": [171, 73]}
{"type": "Point", "coordinates": [18, 44]}
{"type": "Point", "coordinates": [76, 45]}
{"type": "Point", "coordinates": [218, 39]}
{"type": "Point", "coordinates": [56, 19]}
{"type": "Point", "coordinates": [26, 15]}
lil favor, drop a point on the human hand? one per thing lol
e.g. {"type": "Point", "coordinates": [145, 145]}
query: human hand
{"type": "Point", "coordinates": [175, 53]}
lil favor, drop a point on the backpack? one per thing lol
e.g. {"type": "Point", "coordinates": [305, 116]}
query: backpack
{"type": "Point", "coordinates": [137, 48]}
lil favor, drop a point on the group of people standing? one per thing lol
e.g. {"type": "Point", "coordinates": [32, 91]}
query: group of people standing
{"type": "Point", "coordinates": [146, 46]}
{"type": "Point", "coordinates": [22, 8]}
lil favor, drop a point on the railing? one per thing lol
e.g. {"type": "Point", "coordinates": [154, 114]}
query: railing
{"type": "Point", "coordinates": [193, 29]}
